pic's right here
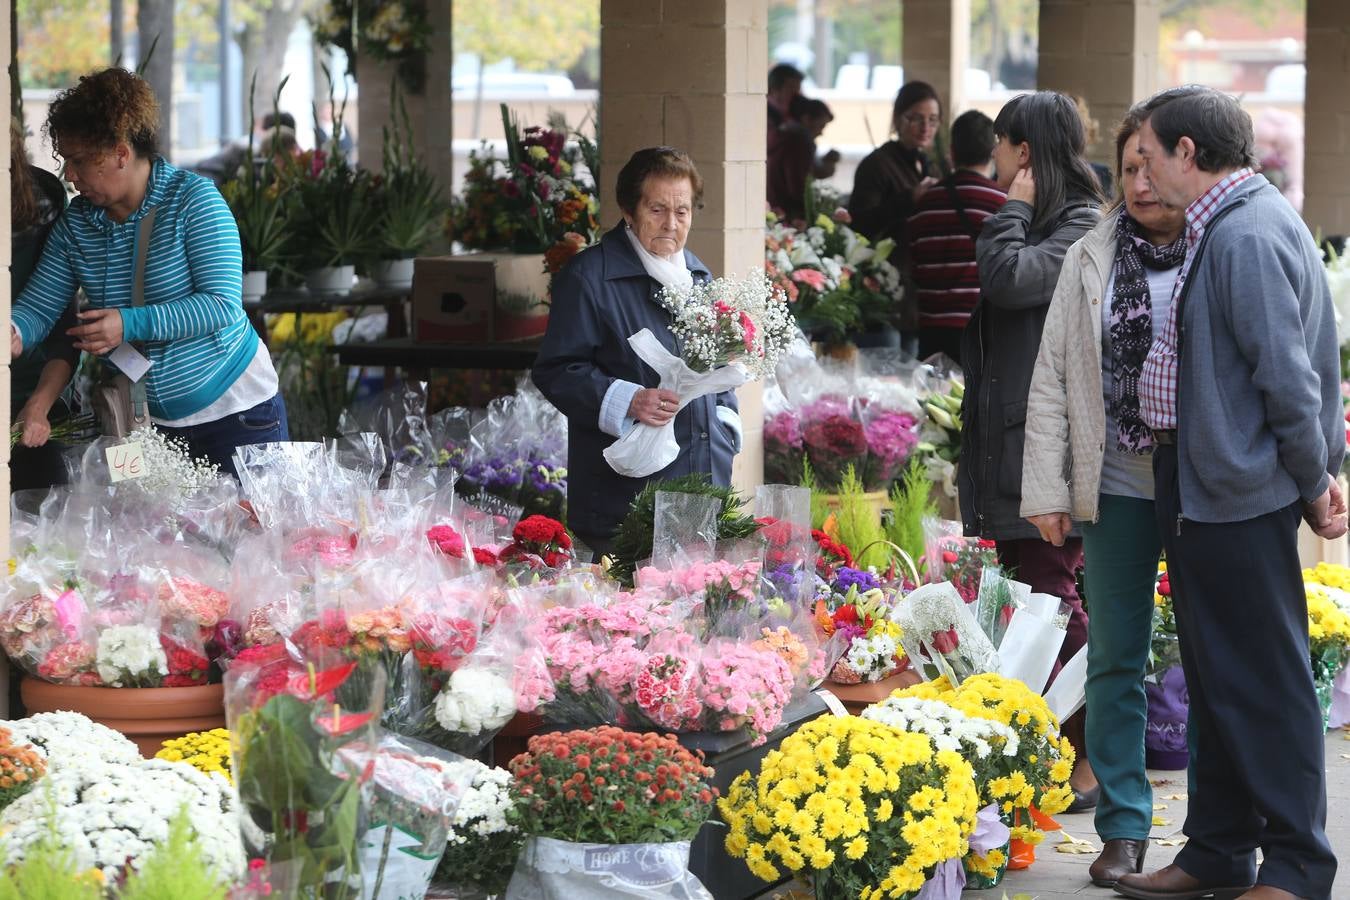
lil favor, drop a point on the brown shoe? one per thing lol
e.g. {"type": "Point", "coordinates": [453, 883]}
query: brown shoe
{"type": "Point", "coordinates": [1173, 883]}
{"type": "Point", "coordinates": [1119, 856]}
{"type": "Point", "coordinates": [1266, 892]}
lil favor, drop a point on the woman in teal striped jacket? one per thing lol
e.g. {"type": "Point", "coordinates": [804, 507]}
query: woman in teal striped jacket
{"type": "Point", "coordinates": [211, 381]}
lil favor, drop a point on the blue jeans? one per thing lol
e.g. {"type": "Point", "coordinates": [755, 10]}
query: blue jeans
{"type": "Point", "coordinates": [263, 424]}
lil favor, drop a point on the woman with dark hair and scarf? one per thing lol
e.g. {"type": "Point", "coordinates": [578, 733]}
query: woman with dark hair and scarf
{"type": "Point", "coordinates": [1053, 200]}
{"type": "Point", "coordinates": [1084, 421]}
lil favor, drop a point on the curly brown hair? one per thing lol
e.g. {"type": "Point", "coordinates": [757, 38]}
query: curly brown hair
{"type": "Point", "coordinates": [103, 109]}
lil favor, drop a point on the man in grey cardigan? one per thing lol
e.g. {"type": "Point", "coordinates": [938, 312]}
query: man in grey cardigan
{"type": "Point", "coordinates": [1242, 391]}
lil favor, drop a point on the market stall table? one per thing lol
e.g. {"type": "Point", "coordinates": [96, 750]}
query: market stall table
{"type": "Point", "coordinates": [418, 358]}
{"type": "Point", "coordinates": [301, 302]}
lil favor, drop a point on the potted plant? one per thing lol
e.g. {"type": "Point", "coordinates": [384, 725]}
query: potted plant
{"type": "Point", "coordinates": [605, 806]}
{"type": "Point", "coordinates": [912, 810]}
{"type": "Point", "coordinates": [329, 210]}
{"type": "Point", "coordinates": [254, 197]}
{"type": "Point", "coordinates": [408, 197]}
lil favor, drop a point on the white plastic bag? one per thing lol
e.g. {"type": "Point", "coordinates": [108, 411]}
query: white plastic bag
{"type": "Point", "coordinates": [550, 869]}
{"type": "Point", "coordinates": [647, 449]}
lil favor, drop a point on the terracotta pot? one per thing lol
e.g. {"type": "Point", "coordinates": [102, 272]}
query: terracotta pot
{"type": "Point", "coordinates": [148, 716]}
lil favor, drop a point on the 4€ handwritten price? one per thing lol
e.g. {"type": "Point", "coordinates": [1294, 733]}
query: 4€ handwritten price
{"type": "Point", "coordinates": [125, 461]}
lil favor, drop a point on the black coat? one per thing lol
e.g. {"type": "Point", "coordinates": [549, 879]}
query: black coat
{"type": "Point", "coordinates": [600, 298]}
{"type": "Point", "coordinates": [1019, 266]}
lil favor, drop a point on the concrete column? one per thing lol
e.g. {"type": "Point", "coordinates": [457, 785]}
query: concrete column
{"type": "Point", "coordinates": [1103, 50]}
{"type": "Point", "coordinates": [936, 48]}
{"type": "Point", "coordinates": [1326, 112]}
{"type": "Point", "coordinates": [692, 75]}
{"type": "Point", "coordinates": [430, 111]}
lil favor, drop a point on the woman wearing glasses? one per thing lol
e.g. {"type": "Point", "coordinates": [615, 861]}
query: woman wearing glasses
{"type": "Point", "coordinates": [889, 183]}
{"type": "Point", "coordinates": [210, 381]}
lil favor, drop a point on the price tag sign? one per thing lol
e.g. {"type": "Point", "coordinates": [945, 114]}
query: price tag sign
{"type": "Point", "coordinates": [832, 703]}
{"type": "Point", "coordinates": [125, 461]}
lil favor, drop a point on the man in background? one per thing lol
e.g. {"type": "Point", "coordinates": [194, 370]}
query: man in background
{"type": "Point", "coordinates": [785, 83]}
{"type": "Point", "coordinates": [942, 232]}
{"type": "Point", "coordinates": [792, 158]}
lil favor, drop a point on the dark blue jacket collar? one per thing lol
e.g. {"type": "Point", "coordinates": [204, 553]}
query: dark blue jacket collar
{"type": "Point", "coordinates": [621, 260]}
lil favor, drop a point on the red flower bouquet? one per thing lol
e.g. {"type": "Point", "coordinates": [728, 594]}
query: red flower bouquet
{"type": "Point", "coordinates": [539, 540]}
{"type": "Point", "coordinates": [834, 442]}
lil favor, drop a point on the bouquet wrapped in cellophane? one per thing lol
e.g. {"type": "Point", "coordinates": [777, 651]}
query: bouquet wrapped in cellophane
{"type": "Point", "coordinates": [728, 332]}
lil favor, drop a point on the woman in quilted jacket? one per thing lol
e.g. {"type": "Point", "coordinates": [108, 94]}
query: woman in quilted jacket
{"type": "Point", "coordinates": [1089, 458]}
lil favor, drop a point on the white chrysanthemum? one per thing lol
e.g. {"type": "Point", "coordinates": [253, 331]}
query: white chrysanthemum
{"type": "Point", "coordinates": [484, 808]}
{"type": "Point", "coordinates": [68, 739]}
{"type": "Point", "coordinates": [111, 815]}
{"type": "Point", "coordinates": [130, 655]}
{"type": "Point", "coordinates": [949, 728]}
{"type": "Point", "coordinates": [872, 657]}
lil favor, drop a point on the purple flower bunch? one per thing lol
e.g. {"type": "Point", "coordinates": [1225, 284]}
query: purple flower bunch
{"type": "Point", "coordinates": [783, 448]}
{"type": "Point", "coordinates": [891, 437]}
{"type": "Point", "coordinates": [863, 580]}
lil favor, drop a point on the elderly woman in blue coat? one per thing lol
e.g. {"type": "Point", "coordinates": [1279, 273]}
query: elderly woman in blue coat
{"type": "Point", "coordinates": [587, 368]}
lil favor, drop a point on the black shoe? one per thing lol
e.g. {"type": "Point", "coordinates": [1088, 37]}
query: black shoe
{"type": "Point", "coordinates": [1085, 800]}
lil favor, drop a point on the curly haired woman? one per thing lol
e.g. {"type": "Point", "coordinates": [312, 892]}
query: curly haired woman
{"type": "Point", "coordinates": [210, 380]}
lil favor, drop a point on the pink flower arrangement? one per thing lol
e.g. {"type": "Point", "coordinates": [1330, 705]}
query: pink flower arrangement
{"type": "Point", "coordinates": [891, 437]}
{"type": "Point", "coordinates": [743, 686]}
{"type": "Point", "coordinates": [812, 278]}
{"type": "Point", "coordinates": [183, 598]}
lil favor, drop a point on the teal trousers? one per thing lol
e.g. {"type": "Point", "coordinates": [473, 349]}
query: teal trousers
{"type": "Point", "coordinates": [1120, 567]}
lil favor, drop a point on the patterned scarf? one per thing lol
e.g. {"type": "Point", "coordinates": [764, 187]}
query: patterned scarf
{"type": "Point", "coordinates": [1132, 327]}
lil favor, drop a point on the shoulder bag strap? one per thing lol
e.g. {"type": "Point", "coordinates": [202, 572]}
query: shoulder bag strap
{"type": "Point", "coordinates": [139, 412]}
{"type": "Point", "coordinates": [960, 206]}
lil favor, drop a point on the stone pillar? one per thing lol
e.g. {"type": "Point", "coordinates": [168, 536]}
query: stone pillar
{"type": "Point", "coordinates": [430, 111]}
{"type": "Point", "coordinates": [1103, 50]}
{"type": "Point", "coordinates": [692, 75]}
{"type": "Point", "coordinates": [1326, 112]}
{"type": "Point", "coordinates": [936, 48]}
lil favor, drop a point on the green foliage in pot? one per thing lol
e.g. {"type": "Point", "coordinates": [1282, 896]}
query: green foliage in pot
{"type": "Point", "coordinates": [408, 196]}
{"type": "Point", "coordinates": [255, 198]}
{"type": "Point", "coordinates": [633, 541]}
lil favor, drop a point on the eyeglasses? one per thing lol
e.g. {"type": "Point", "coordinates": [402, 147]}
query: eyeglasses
{"type": "Point", "coordinates": [920, 119]}
{"type": "Point", "coordinates": [81, 161]}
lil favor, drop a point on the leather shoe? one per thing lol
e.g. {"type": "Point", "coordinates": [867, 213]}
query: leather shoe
{"type": "Point", "coordinates": [1119, 856]}
{"type": "Point", "coordinates": [1174, 883]}
{"type": "Point", "coordinates": [1266, 892]}
{"type": "Point", "coordinates": [1085, 800]}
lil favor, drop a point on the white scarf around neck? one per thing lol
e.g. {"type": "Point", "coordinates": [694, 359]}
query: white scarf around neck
{"type": "Point", "coordinates": [672, 273]}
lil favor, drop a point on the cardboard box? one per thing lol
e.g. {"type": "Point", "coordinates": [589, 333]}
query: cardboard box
{"type": "Point", "coordinates": [479, 297]}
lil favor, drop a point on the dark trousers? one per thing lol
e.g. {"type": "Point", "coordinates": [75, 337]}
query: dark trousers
{"type": "Point", "coordinates": [215, 441]}
{"type": "Point", "coordinates": [1051, 570]}
{"type": "Point", "coordinates": [1259, 777]}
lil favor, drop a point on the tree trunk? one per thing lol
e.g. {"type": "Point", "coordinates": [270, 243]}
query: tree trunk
{"type": "Point", "coordinates": [154, 27]}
